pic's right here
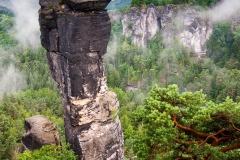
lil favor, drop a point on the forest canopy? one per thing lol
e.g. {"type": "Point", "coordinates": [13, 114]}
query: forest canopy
{"type": "Point", "coordinates": [186, 126]}
{"type": "Point", "coordinates": [204, 3]}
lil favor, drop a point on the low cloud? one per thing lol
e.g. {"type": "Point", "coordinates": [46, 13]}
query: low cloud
{"type": "Point", "coordinates": [27, 30]}
{"type": "Point", "coordinates": [224, 10]}
{"type": "Point", "coordinates": [11, 81]}
{"type": "Point", "coordinates": [4, 3]}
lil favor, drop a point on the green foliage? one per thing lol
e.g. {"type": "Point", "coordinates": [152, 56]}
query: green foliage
{"type": "Point", "coordinates": [33, 63]}
{"type": "Point", "coordinates": [220, 42]}
{"type": "Point", "coordinates": [116, 27]}
{"type": "Point", "coordinates": [223, 46]}
{"type": "Point", "coordinates": [234, 62]}
{"type": "Point", "coordinates": [133, 66]}
{"type": "Point", "coordinates": [128, 65]}
{"type": "Point", "coordinates": [15, 108]}
{"type": "Point", "coordinates": [9, 133]}
{"type": "Point", "coordinates": [50, 152]}
{"type": "Point", "coordinates": [173, 125]}
{"type": "Point", "coordinates": [6, 40]}
{"type": "Point", "coordinates": [203, 3]}
{"type": "Point", "coordinates": [6, 11]}
{"type": "Point", "coordinates": [127, 106]}
{"type": "Point", "coordinates": [13, 111]}
{"type": "Point", "coordinates": [36, 99]}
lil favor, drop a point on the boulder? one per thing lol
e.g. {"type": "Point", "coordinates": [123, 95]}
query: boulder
{"type": "Point", "coordinates": [39, 131]}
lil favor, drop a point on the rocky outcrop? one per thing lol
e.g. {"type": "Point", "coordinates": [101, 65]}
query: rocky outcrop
{"type": "Point", "coordinates": [190, 29]}
{"type": "Point", "coordinates": [39, 131]}
{"type": "Point", "coordinates": [166, 14]}
{"type": "Point", "coordinates": [75, 34]}
{"type": "Point", "coordinates": [182, 22]}
{"type": "Point", "coordinates": [141, 24]}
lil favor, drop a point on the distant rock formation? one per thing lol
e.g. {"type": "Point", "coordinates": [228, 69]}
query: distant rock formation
{"type": "Point", "coordinates": [141, 24]}
{"type": "Point", "coordinates": [39, 131]}
{"type": "Point", "coordinates": [189, 27]}
{"type": "Point", "coordinates": [75, 34]}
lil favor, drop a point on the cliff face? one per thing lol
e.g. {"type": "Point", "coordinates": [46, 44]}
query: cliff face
{"type": "Point", "coordinates": [141, 24]}
{"type": "Point", "coordinates": [75, 34]}
{"type": "Point", "coordinates": [191, 30]}
{"type": "Point", "coordinates": [185, 23]}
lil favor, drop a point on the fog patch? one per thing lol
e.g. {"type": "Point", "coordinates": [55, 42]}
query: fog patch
{"type": "Point", "coordinates": [11, 81]}
{"type": "Point", "coordinates": [5, 3]}
{"type": "Point", "coordinates": [27, 30]}
{"type": "Point", "coordinates": [224, 10]}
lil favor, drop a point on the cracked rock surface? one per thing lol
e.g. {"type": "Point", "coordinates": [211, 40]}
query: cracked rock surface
{"type": "Point", "coordinates": [75, 34]}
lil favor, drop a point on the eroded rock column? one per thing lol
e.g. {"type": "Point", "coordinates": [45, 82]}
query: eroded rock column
{"type": "Point", "coordinates": [75, 34]}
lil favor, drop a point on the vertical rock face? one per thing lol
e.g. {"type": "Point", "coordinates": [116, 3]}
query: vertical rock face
{"type": "Point", "coordinates": [191, 30]}
{"type": "Point", "coordinates": [141, 24]}
{"type": "Point", "coordinates": [182, 22]}
{"type": "Point", "coordinates": [75, 34]}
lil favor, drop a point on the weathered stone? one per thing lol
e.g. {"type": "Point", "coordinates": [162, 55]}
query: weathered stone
{"type": "Point", "coordinates": [39, 131]}
{"type": "Point", "coordinates": [88, 4]}
{"type": "Point", "coordinates": [75, 34]}
{"type": "Point", "coordinates": [182, 22]}
{"type": "Point", "coordinates": [141, 24]}
{"type": "Point", "coordinates": [94, 128]}
{"type": "Point", "coordinates": [167, 14]}
{"type": "Point", "coordinates": [190, 29]}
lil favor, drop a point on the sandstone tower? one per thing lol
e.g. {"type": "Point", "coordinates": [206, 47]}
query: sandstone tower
{"type": "Point", "coordinates": [75, 34]}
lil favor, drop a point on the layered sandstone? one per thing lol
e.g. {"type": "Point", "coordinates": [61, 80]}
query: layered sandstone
{"type": "Point", "coordinates": [75, 34]}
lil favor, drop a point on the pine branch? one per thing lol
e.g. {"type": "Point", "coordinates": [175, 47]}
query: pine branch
{"type": "Point", "coordinates": [235, 146]}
